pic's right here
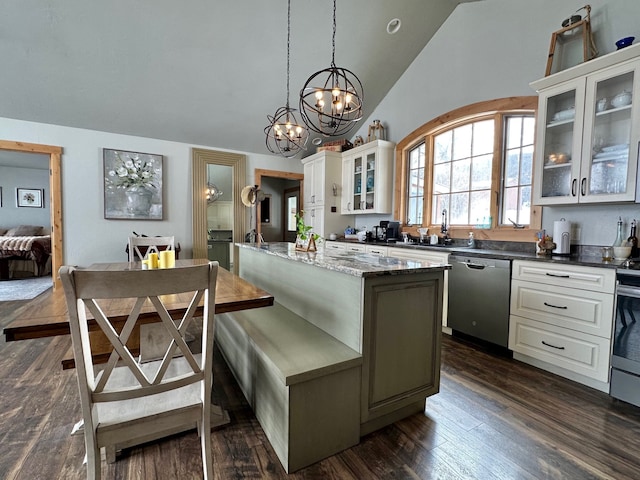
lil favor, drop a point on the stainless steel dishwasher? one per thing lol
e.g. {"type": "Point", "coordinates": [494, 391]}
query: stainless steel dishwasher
{"type": "Point", "coordinates": [479, 291]}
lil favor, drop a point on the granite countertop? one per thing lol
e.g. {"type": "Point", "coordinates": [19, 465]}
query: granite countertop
{"type": "Point", "coordinates": [588, 256]}
{"type": "Point", "coordinates": [352, 263]}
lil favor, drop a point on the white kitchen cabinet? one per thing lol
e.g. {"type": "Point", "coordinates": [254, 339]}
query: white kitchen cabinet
{"type": "Point", "coordinates": [378, 250]}
{"type": "Point", "coordinates": [561, 319]}
{"type": "Point", "coordinates": [332, 246]}
{"type": "Point", "coordinates": [355, 247]}
{"type": "Point", "coordinates": [367, 178]}
{"type": "Point", "coordinates": [321, 197]}
{"type": "Point", "coordinates": [588, 131]}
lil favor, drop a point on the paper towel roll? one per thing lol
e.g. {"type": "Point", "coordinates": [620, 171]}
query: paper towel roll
{"type": "Point", "coordinates": [562, 237]}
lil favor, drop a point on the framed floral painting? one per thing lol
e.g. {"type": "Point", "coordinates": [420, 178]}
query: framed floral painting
{"type": "Point", "coordinates": [30, 197]}
{"type": "Point", "coordinates": [132, 185]}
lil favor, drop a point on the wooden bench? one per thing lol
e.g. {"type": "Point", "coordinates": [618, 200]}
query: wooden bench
{"type": "Point", "coordinates": [302, 383]}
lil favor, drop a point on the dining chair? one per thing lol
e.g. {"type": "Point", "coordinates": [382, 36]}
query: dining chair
{"type": "Point", "coordinates": [125, 402]}
{"type": "Point", "coordinates": [140, 247]}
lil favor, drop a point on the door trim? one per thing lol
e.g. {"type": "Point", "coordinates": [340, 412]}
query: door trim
{"type": "Point", "coordinates": [55, 197]}
{"type": "Point", "coordinates": [260, 172]}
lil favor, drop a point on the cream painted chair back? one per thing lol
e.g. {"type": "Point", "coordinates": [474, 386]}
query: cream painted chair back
{"type": "Point", "coordinates": [125, 402]}
{"type": "Point", "coordinates": [142, 246]}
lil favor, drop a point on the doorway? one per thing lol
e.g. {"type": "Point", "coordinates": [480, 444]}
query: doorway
{"type": "Point", "coordinates": [290, 207]}
{"type": "Point", "coordinates": [55, 196]}
{"type": "Point", "coordinates": [261, 177]}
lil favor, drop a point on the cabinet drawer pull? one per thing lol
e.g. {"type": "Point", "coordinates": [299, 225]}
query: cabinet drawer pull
{"type": "Point", "coordinates": [556, 275]}
{"type": "Point", "coordinates": [574, 183]}
{"type": "Point", "coordinates": [583, 186]}
{"type": "Point", "coordinates": [554, 306]}
{"type": "Point", "coordinates": [552, 346]}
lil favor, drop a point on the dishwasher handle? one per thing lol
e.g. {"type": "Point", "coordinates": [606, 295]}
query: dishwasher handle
{"type": "Point", "coordinates": [474, 266]}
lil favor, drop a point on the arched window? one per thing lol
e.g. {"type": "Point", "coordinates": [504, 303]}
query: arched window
{"type": "Point", "coordinates": [471, 168]}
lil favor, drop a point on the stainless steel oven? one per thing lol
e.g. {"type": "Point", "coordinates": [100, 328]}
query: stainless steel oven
{"type": "Point", "coordinates": [625, 360]}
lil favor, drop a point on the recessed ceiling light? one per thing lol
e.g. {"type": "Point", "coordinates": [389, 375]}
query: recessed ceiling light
{"type": "Point", "coordinates": [393, 26]}
{"type": "Point", "coordinates": [316, 141]}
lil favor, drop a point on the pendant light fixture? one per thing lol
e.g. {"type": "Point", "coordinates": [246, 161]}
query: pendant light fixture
{"type": "Point", "coordinates": [285, 135]}
{"type": "Point", "coordinates": [212, 193]}
{"type": "Point", "coordinates": [331, 99]}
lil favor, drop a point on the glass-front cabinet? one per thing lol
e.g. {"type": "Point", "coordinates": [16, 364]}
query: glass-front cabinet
{"type": "Point", "coordinates": [367, 178]}
{"type": "Point", "coordinates": [588, 129]}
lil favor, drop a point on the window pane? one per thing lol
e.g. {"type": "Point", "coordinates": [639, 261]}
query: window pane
{"type": "Point", "coordinates": [460, 175]}
{"type": "Point", "coordinates": [441, 178]}
{"type": "Point", "coordinates": [416, 157]}
{"type": "Point", "coordinates": [415, 211]}
{"type": "Point", "coordinates": [480, 209]}
{"type": "Point", "coordinates": [512, 168]}
{"type": "Point", "coordinates": [528, 130]}
{"type": "Point", "coordinates": [510, 202]}
{"type": "Point", "coordinates": [481, 172]}
{"type": "Point", "coordinates": [483, 137]}
{"type": "Point", "coordinates": [527, 165]}
{"type": "Point", "coordinates": [442, 147]}
{"type": "Point", "coordinates": [524, 210]}
{"type": "Point", "coordinates": [514, 132]}
{"type": "Point", "coordinates": [517, 170]}
{"type": "Point", "coordinates": [415, 186]}
{"type": "Point", "coordinates": [459, 213]}
{"type": "Point", "coordinates": [461, 142]}
{"type": "Point", "coordinates": [440, 202]}
{"type": "Point", "coordinates": [292, 208]}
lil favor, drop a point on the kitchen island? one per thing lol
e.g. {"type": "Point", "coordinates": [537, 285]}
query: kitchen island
{"type": "Point", "coordinates": [352, 345]}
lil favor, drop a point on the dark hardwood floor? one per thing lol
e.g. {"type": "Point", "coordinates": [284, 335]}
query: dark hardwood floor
{"type": "Point", "coordinates": [493, 418]}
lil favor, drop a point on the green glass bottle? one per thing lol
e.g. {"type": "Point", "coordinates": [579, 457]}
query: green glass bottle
{"type": "Point", "coordinates": [619, 239]}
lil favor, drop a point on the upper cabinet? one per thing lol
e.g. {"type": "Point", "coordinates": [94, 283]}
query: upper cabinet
{"type": "Point", "coordinates": [588, 131]}
{"type": "Point", "coordinates": [367, 179]}
{"type": "Point", "coordinates": [322, 178]}
{"type": "Point", "coordinates": [316, 167]}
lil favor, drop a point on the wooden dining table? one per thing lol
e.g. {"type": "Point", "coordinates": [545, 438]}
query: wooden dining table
{"type": "Point", "coordinates": [47, 315]}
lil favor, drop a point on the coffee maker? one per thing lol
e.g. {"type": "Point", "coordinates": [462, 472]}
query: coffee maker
{"type": "Point", "coordinates": [393, 232]}
{"type": "Point", "coordinates": [388, 231]}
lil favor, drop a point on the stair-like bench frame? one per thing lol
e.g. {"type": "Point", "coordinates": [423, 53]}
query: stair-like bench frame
{"type": "Point", "coordinates": [302, 383]}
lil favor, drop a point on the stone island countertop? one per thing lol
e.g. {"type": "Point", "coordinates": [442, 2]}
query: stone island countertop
{"type": "Point", "coordinates": [588, 256]}
{"type": "Point", "coordinates": [351, 263]}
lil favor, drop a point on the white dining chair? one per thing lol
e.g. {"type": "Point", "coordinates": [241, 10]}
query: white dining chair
{"type": "Point", "coordinates": [140, 247]}
{"type": "Point", "coordinates": [125, 402]}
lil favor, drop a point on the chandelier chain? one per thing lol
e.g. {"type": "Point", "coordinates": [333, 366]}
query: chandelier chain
{"type": "Point", "coordinates": [333, 41]}
{"type": "Point", "coordinates": [288, 45]}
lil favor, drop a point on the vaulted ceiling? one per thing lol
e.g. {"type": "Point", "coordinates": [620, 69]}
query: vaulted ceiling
{"type": "Point", "coordinates": [200, 72]}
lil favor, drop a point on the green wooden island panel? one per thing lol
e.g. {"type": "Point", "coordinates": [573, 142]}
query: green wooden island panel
{"type": "Point", "coordinates": [386, 309]}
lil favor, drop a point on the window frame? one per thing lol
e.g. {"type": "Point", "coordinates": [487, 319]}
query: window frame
{"type": "Point", "coordinates": [498, 108]}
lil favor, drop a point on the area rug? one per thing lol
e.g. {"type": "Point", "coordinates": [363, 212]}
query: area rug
{"type": "Point", "coordinates": [24, 288]}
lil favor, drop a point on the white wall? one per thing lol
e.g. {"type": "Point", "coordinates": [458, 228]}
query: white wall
{"type": "Point", "coordinates": [12, 178]}
{"type": "Point", "coordinates": [87, 236]}
{"type": "Point", "coordinates": [492, 49]}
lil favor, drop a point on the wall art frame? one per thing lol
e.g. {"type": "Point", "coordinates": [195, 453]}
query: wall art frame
{"type": "Point", "coordinates": [30, 197]}
{"type": "Point", "coordinates": [132, 185]}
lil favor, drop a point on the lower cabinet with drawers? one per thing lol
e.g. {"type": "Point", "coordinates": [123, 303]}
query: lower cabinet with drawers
{"type": "Point", "coordinates": [561, 319]}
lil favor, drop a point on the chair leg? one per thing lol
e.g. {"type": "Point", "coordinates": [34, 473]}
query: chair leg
{"type": "Point", "coordinates": [110, 453]}
{"type": "Point", "coordinates": [205, 441]}
{"type": "Point", "coordinates": [94, 464]}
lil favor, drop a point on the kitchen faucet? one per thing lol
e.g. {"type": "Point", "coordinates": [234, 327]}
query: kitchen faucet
{"type": "Point", "coordinates": [444, 229]}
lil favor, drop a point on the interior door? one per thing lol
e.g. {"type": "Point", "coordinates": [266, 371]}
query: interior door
{"type": "Point", "coordinates": [291, 206]}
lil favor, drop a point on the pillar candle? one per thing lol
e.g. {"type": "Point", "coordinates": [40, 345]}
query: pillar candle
{"type": "Point", "coordinates": [153, 260]}
{"type": "Point", "coordinates": [167, 259]}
